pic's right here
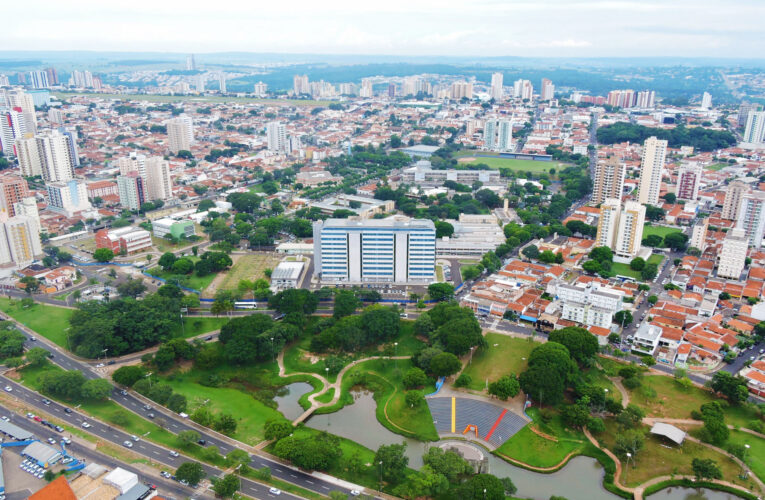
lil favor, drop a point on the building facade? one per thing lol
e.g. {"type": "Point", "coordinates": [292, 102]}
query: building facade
{"type": "Point", "coordinates": [630, 232]}
{"type": "Point", "coordinates": [68, 197]}
{"type": "Point", "coordinates": [732, 257]}
{"type": "Point", "coordinates": [733, 196]}
{"type": "Point", "coordinates": [651, 167]}
{"type": "Point", "coordinates": [609, 180]}
{"type": "Point", "coordinates": [751, 217]}
{"type": "Point", "coordinates": [180, 133]}
{"type": "Point", "coordinates": [131, 190]}
{"type": "Point", "coordinates": [688, 181]}
{"type": "Point", "coordinates": [12, 191]}
{"type": "Point", "coordinates": [754, 133]}
{"type": "Point", "coordinates": [589, 305]}
{"type": "Point", "coordinates": [159, 184]}
{"type": "Point", "coordinates": [276, 134]}
{"type": "Point", "coordinates": [123, 240]}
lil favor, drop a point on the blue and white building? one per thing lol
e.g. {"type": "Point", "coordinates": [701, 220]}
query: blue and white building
{"type": "Point", "coordinates": [376, 250]}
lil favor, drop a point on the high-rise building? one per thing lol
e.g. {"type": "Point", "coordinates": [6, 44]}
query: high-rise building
{"type": "Point", "coordinates": [12, 191]}
{"type": "Point", "coordinates": [71, 140]}
{"type": "Point", "coordinates": [12, 127]}
{"type": "Point", "coordinates": [4, 81]}
{"type": "Point", "coordinates": [366, 88]}
{"type": "Point", "coordinates": [523, 89]}
{"type": "Point", "coordinates": [52, 76]}
{"type": "Point", "coordinates": [688, 181]}
{"type": "Point", "coordinates": [651, 166]}
{"type": "Point", "coordinates": [498, 135]}
{"type": "Point", "coordinates": [609, 180]}
{"type": "Point", "coordinates": [22, 103]}
{"type": "Point", "coordinates": [39, 79]}
{"type": "Point", "coordinates": [300, 85]}
{"type": "Point", "coordinates": [191, 65]}
{"type": "Point", "coordinates": [222, 82]}
{"type": "Point", "coordinates": [260, 89]}
{"type": "Point", "coordinates": [496, 86]}
{"type": "Point", "coordinates": [133, 163]}
{"type": "Point", "coordinates": [589, 304]}
{"type": "Point", "coordinates": [375, 250]}
{"type": "Point", "coordinates": [621, 98]}
{"type": "Point", "coordinates": [754, 133]}
{"type": "Point", "coordinates": [55, 155]}
{"type": "Point", "coordinates": [276, 133]}
{"type": "Point", "coordinates": [414, 85]}
{"type": "Point", "coordinates": [391, 90]}
{"type": "Point", "coordinates": [706, 100]}
{"type": "Point", "coordinates": [462, 89]}
{"type": "Point", "coordinates": [19, 241]}
{"type": "Point", "coordinates": [28, 154]}
{"type": "Point", "coordinates": [547, 91]}
{"type": "Point", "coordinates": [630, 232]}
{"type": "Point", "coordinates": [27, 207]}
{"type": "Point", "coordinates": [180, 133]}
{"type": "Point", "coordinates": [81, 79]}
{"type": "Point", "coordinates": [68, 197]}
{"type": "Point", "coordinates": [645, 99]}
{"type": "Point", "coordinates": [55, 116]}
{"type": "Point", "coordinates": [743, 111]}
{"type": "Point", "coordinates": [751, 217]}
{"type": "Point", "coordinates": [131, 191]}
{"type": "Point", "coordinates": [735, 192]}
{"type": "Point", "coordinates": [608, 222]}
{"type": "Point", "coordinates": [732, 258]}
{"type": "Point", "coordinates": [699, 234]}
{"type": "Point", "coordinates": [159, 185]}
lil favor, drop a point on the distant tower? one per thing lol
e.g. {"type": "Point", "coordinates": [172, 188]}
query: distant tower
{"type": "Point", "coordinates": [222, 82]}
{"type": "Point", "coordinates": [496, 86]}
{"type": "Point", "coordinates": [191, 65]}
{"type": "Point", "coordinates": [180, 133]}
{"type": "Point", "coordinates": [706, 100]}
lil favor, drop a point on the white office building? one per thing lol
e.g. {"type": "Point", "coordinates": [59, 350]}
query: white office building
{"type": "Point", "coordinates": [276, 133]}
{"type": "Point", "coordinates": [651, 167]}
{"type": "Point", "coordinates": [180, 133]}
{"type": "Point", "coordinates": [732, 258]}
{"type": "Point", "coordinates": [589, 304]}
{"type": "Point", "coordinates": [68, 197]}
{"type": "Point", "coordinates": [377, 250]}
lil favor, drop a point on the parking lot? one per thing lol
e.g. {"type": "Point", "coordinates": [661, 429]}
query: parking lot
{"type": "Point", "coordinates": [17, 480]}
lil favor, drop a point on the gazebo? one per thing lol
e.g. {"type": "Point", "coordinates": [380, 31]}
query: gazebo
{"type": "Point", "coordinates": [668, 431]}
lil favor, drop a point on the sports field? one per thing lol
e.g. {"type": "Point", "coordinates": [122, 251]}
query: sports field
{"type": "Point", "coordinates": [660, 230]}
{"type": "Point", "coordinates": [537, 167]}
{"type": "Point", "coordinates": [191, 98]}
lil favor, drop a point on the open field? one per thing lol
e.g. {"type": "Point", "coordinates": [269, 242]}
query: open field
{"type": "Point", "coordinates": [192, 280]}
{"type": "Point", "coordinates": [49, 321]}
{"type": "Point", "coordinates": [659, 230]}
{"type": "Point", "coordinates": [504, 355]}
{"type": "Point", "coordinates": [755, 457]}
{"type": "Point", "coordinates": [197, 325]}
{"type": "Point", "coordinates": [537, 167]}
{"type": "Point", "coordinates": [717, 166]}
{"type": "Point", "coordinates": [625, 269]}
{"type": "Point", "coordinates": [200, 99]}
{"type": "Point", "coordinates": [655, 259]}
{"type": "Point", "coordinates": [248, 267]}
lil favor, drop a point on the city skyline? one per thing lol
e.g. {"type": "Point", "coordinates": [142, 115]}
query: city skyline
{"type": "Point", "coordinates": [488, 28]}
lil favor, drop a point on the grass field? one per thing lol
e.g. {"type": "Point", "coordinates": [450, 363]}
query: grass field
{"type": "Point", "coordinates": [655, 259]}
{"type": "Point", "coordinates": [188, 280]}
{"type": "Point", "coordinates": [49, 321]}
{"type": "Point", "coordinates": [717, 166]}
{"type": "Point", "coordinates": [755, 457]}
{"type": "Point", "coordinates": [659, 230]}
{"type": "Point", "coordinates": [201, 99]}
{"type": "Point", "coordinates": [249, 267]}
{"type": "Point", "coordinates": [194, 325]}
{"type": "Point", "coordinates": [625, 269]}
{"type": "Point", "coordinates": [504, 355]}
{"type": "Point", "coordinates": [537, 167]}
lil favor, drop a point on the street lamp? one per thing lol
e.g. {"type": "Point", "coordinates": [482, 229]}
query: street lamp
{"type": "Point", "coordinates": [395, 353]}
{"type": "Point", "coordinates": [380, 463]}
{"type": "Point", "coordinates": [743, 462]}
{"type": "Point", "coordinates": [605, 396]}
{"type": "Point", "coordinates": [629, 455]}
{"type": "Point", "coordinates": [148, 375]}
{"type": "Point", "coordinates": [273, 354]}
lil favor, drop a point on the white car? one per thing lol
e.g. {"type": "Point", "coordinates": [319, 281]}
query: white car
{"type": "Point", "coordinates": [52, 441]}
{"type": "Point", "coordinates": [135, 438]}
{"type": "Point", "coordinates": [275, 491]}
{"type": "Point", "coordinates": [100, 365]}
{"type": "Point", "coordinates": [5, 418]}
{"type": "Point", "coordinates": [128, 444]}
{"type": "Point", "coordinates": [86, 425]}
{"type": "Point", "coordinates": [8, 388]}
{"type": "Point", "coordinates": [174, 453]}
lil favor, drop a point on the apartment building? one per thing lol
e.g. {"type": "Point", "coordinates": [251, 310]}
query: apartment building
{"type": "Point", "coordinates": [276, 134]}
{"type": "Point", "coordinates": [498, 135]}
{"type": "Point", "coordinates": [751, 217]}
{"type": "Point", "coordinates": [159, 185]}
{"type": "Point", "coordinates": [589, 304]}
{"type": "Point", "coordinates": [12, 191]}
{"type": "Point", "coordinates": [68, 197]}
{"type": "Point", "coordinates": [377, 250]}
{"type": "Point", "coordinates": [651, 167]}
{"type": "Point", "coordinates": [620, 228]}
{"type": "Point", "coordinates": [131, 190]}
{"type": "Point", "coordinates": [699, 234]}
{"type": "Point", "coordinates": [732, 257]}
{"type": "Point", "coordinates": [608, 181]}
{"type": "Point", "coordinates": [733, 195]}
{"type": "Point", "coordinates": [55, 156]}
{"type": "Point", "coordinates": [688, 181]}
{"type": "Point", "coordinates": [180, 133]}
{"type": "Point", "coordinates": [608, 222]}
{"type": "Point", "coordinates": [754, 133]}
{"type": "Point", "coordinates": [19, 241]}
{"type": "Point", "coordinates": [496, 86]}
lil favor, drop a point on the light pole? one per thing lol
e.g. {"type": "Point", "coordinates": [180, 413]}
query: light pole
{"type": "Point", "coordinates": [183, 328]}
{"type": "Point", "coordinates": [273, 354]}
{"type": "Point", "coordinates": [743, 462]}
{"type": "Point", "coordinates": [471, 354]}
{"type": "Point", "coordinates": [105, 351]}
{"type": "Point", "coordinates": [629, 455]}
{"type": "Point", "coordinates": [148, 375]}
{"type": "Point", "coordinates": [395, 354]}
{"type": "Point", "coordinates": [380, 463]}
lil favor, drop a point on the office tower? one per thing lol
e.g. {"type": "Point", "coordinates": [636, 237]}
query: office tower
{"type": "Point", "coordinates": [12, 127]}
{"type": "Point", "coordinates": [81, 79]}
{"type": "Point", "coordinates": [38, 79]}
{"type": "Point", "coordinates": [28, 155]}
{"type": "Point", "coordinates": [630, 232]}
{"type": "Point", "coordinates": [131, 190]}
{"type": "Point", "coordinates": [68, 197]}
{"type": "Point", "coordinates": [699, 234]}
{"type": "Point", "coordinates": [754, 133]}
{"type": "Point", "coordinates": [55, 156]}
{"type": "Point", "coordinates": [4, 81]}
{"type": "Point", "coordinates": [706, 100]}
{"type": "Point", "coordinates": [743, 111]}
{"type": "Point", "coordinates": [366, 87]}
{"type": "Point", "coordinates": [191, 65]}
{"type": "Point", "coordinates": [260, 89]}
{"type": "Point", "coordinates": [21, 78]}
{"type": "Point", "coordinates": [12, 191]}
{"type": "Point", "coordinates": [133, 163]}
{"type": "Point", "coordinates": [52, 76]}
{"type": "Point", "coordinates": [222, 82]}
{"type": "Point", "coordinates": [55, 116]}
{"type": "Point", "coordinates": [651, 166]}
{"type": "Point", "coordinates": [608, 222]}
{"type": "Point", "coordinates": [276, 133]}
{"type": "Point", "coordinates": [19, 241]}
{"type": "Point", "coordinates": [496, 86]}
{"type": "Point", "coordinates": [751, 217]}
{"type": "Point", "coordinates": [159, 185]}
{"type": "Point", "coordinates": [391, 90]}
{"type": "Point", "coordinates": [645, 99]}
{"type": "Point", "coordinates": [375, 250]}
{"type": "Point", "coordinates": [300, 85]}
{"type": "Point", "coordinates": [733, 254]}
{"type": "Point", "coordinates": [199, 82]}
{"type": "Point", "coordinates": [609, 180]}
{"type": "Point", "coordinates": [688, 181]}
{"type": "Point", "coordinates": [735, 192]}
{"type": "Point", "coordinates": [462, 89]}
{"type": "Point", "coordinates": [71, 140]}
{"type": "Point", "coordinates": [498, 135]}
{"type": "Point", "coordinates": [547, 91]}
{"type": "Point", "coordinates": [180, 133]}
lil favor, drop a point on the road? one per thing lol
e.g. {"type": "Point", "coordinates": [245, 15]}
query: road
{"type": "Point", "coordinates": [175, 423]}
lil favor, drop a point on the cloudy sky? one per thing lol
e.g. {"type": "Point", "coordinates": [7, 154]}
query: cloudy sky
{"type": "Point", "coordinates": [586, 28]}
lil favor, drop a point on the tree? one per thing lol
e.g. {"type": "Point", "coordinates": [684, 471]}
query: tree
{"type": "Point", "coordinates": [225, 423]}
{"type": "Point", "coordinates": [481, 487]}
{"type": "Point", "coordinates": [706, 468]}
{"type": "Point", "coordinates": [414, 398]}
{"type": "Point", "coordinates": [414, 378]}
{"type": "Point", "coordinates": [732, 387]}
{"type": "Point", "coordinates": [346, 303]}
{"type": "Point", "coordinates": [103, 255]}
{"type": "Point", "coordinates": [449, 463]}
{"type": "Point", "coordinates": [37, 356]}
{"type": "Point", "coordinates": [591, 266]}
{"type": "Point", "coordinates": [506, 387]}
{"type": "Point", "coordinates": [623, 317]}
{"type": "Point", "coordinates": [445, 364]}
{"type": "Point", "coordinates": [630, 417]}
{"type": "Point", "coordinates": [131, 288]}
{"type": "Point", "coordinates": [176, 402]}
{"type": "Point", "coordinates": [715, 430]}
{"type": "Point", "coordinates": [441, 291]}
{"type": "Point", "coordinates": [550, 370]}
{"type": "Point", "coordinates": [192, 472]}
{"type": "Point", "coordinates": [576, 415]}
{"type": "Point", "coordinates": [637, 264]}
{"type": "Point", "coordinates": [226, 487]}
{"type": "Point", "coordinates": [670, 198]}
{"type": "Point", "coordinates": [653, 299]}
{"type": "Point", "coordinates": [187, 438]}
{"type": "Point", "coordinates": [395, 141]}
{"type": "Point", "coordinates": [581, 344]}
{"type": "Point", "coordinates": [316, 452]}
{"type": "Point", "coordinates": [98, 388]}
{"type": "Point", "coordinates": [278, 429]}
{"type": "Point", "coordinates": [531, 252]}
{"type": "Point", "coordinates": [164, 357]}
{"type": "Point", "coordinates": [630, 441]}
{"type": "Point", "coordinates": [392, 461]}
{"type": "Point", "coordinates": [676, 241]}
{"type": "Point", "coordinates": [183, 265]}
{"type": "Point", "coordinates": [167, 260]}
{"type": "Point", "coordinates": [602, 254]}
{"type": "Point", "coordinates": [31, 285]}
{"type": "Point", "coordinates": [294, 300]}
{"type": "Point", "coordinates": [649, 272]}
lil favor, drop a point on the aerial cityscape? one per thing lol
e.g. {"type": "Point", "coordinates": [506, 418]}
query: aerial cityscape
{"type": "Point", "coordinates": [408, 250]}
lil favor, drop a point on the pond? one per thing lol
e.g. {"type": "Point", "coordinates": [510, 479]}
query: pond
{"type": "Point", "coordinates": [288, 402]}
{"type": "Point", "coordinates": [580, 479]}
{"type": "Point", "coordinates": [677, 493]}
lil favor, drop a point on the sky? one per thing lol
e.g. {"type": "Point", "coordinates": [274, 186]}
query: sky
{"type": "Point", "coordinates": [525, 28]}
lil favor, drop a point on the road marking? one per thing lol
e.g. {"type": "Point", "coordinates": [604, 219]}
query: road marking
{"type": "Point", "coordinates": [155, 452]}
{"type": "Point", "coordinates": [309, 482]}
{"type": "Point", "coordinates": [293, 475]}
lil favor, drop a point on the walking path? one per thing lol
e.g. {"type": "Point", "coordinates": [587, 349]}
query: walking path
{"type": "Point", "coordinates": [625, 395]}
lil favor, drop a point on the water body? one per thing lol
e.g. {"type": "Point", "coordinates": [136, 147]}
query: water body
{"type": "Point", "coordinates": [580, 479]}
{"type": "Point", "coordinates": [691, 494]}
{"type": "Point", "coordinates": [288, 402]}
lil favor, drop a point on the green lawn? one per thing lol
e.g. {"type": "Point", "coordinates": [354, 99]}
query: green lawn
{"type": "Point", "coordinates": [197, 325]}
{"type": "Point", "coordinates": [49, 321]}
{"type": "Point", "coordinates": [625, 270]}
{"type": "Point", "coordinates": [192, 280]}
{"type": "Point", "coordinates": [200, 99]}
{"type": "Point", "coordinates": [755, 457]}
{"type": "Point", "coordinates": [249, 267]}
{"type": "Point", "coordinates": [662, 231]}
{"type": "Point", "coordinates": [717, 166]}
{"type": "Point", "coordinates": [537, 167]}
{"type": "Point", "coordinates": [504, 355]}
{"type": "Point", "coordinates": [655, 259]}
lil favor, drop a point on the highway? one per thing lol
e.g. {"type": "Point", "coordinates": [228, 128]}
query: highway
{"type": "Point", "coordinates": [175, 424]}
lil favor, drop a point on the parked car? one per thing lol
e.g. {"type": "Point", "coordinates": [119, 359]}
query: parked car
{"type": "Point", "coordinates": [5, 418]}
{"type": "Point", "coordinates": [174, 453]}
{"type": "Point", "coordinates": [127, 444]}
{"type": "Point", "coordinates": [66, 440]}
{"type": "Point", "coordinates": [52, 441]}
{"type": "Point", "coordinates": [202, 442]}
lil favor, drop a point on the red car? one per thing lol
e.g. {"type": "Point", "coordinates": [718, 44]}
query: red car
{"type": "Point", "coordinates": [37, 419]}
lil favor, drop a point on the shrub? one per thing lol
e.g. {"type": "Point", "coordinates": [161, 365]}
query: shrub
{"type": "Point", "coordinates": [463, 380]}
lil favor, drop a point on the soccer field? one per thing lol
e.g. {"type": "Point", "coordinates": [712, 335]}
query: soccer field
{"type": "Point", "coordinates": [537, 167]}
